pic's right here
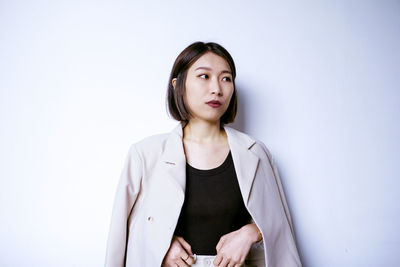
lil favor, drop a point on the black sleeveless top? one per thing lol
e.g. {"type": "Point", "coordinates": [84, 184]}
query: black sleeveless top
{"type": "Point", "coordinates": [213, 207]}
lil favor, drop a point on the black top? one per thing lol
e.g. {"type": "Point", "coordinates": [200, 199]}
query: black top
{"type": "Point", "coordinates": [213, 207]}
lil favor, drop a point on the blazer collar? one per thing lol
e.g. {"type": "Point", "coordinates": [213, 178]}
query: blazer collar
{"type": "Point", "coordinates": [244, 160]}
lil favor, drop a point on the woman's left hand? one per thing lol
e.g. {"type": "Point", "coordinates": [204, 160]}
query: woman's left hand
{"type": "Point", "coordinates": [233, 247]}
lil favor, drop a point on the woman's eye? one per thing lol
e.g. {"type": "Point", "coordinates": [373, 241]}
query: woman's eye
{"type": "Point", "coordinates": [203, 76]}
{"type": "Point", "coordinates": [228, 79]}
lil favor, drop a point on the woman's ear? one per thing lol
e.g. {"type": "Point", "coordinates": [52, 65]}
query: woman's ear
{"type": "Point", "coordinates": [173, 82]}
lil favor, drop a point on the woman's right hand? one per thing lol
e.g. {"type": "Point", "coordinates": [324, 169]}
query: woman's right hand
{"type": "Point", "coordinates": [178, 253]}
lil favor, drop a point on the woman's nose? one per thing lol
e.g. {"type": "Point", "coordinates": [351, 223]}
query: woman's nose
{"type": "Point", "coordinates": [216, 87]}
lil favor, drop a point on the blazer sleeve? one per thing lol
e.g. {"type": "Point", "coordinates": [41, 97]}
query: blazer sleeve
{"type": "Point", "coordinates": [280, 188]}
{"type": "Point", "coordinates": [127, 191]}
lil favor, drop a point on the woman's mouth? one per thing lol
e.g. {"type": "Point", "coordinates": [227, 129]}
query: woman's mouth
{"type": "Point", "coordinates": [214, 104]}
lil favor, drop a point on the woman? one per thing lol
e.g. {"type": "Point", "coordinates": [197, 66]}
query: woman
{"type": "Point", "coordinates": [204, 194]}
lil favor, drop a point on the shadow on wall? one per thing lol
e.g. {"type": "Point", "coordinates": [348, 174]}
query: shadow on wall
{"type": "Point", "coordinates": [240, 120]}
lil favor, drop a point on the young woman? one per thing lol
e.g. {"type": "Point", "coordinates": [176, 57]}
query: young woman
{"type": "Point", "coordinates": [204, 194]}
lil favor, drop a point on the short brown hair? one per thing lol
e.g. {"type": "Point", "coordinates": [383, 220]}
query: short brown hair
{"type": "Point", "coordinates": [175, 97]}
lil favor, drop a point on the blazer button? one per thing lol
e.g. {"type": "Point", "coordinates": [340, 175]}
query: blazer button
{"type": "Point", "coordinates": [150, 219]}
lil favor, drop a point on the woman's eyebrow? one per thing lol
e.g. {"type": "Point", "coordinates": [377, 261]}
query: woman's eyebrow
{"type": "Point", "coordinates": [207, 68]}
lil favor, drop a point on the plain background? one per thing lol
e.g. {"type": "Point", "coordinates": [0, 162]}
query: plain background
{"type": "Point", "coordinates": [318, 83]}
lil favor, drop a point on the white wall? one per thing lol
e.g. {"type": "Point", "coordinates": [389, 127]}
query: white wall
{"type": "Point", "coordinates": [80, 81]}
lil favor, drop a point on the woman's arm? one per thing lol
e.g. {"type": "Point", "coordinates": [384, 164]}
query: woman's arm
{"type": "Point", "coordinates": [233, 247]}
{"type": "Point", "coordinates": [253, 232]}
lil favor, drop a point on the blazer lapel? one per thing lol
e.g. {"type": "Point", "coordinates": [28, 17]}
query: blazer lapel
{"type": "Point", "coordinates": [244, 160]}
{"type": "Point", "coordinates": [175, 160]}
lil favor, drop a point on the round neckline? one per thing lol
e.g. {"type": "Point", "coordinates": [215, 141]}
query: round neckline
{"type": "Point", "coordinates": [209, 172]}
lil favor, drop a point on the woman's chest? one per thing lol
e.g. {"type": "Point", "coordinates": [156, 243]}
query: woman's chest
{"type": "Point", "coordinates": [205, 156]}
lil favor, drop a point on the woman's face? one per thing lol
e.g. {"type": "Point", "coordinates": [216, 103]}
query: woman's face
{"type": "Point", "coordinates": [209, 88]}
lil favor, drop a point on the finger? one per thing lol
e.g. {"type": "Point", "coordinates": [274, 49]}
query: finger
{"type": "Point", "coordinates": [233, 264]}
{"type": "Point", "coordinates": [183, 255]}
{"type": "Point", "coordinates": [190, 260]}
{"type": "Point", "coordinates": [181, 263]}
{"type": "Point", "coordinates": [185, 245]}
{"type": "Point", "coordinates": [186, 257]}
{"type": "Point", "coordinates": [217, 260]}
{"type": "Point", "coordinates": [220, 243]}
{"type": "Point", "coordinates": [224, 263]}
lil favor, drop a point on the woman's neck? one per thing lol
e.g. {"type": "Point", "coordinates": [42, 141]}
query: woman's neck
{"type": "Point", "coordinates": [203, 132]}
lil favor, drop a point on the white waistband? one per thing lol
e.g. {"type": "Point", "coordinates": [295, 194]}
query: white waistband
{"type": "Point", "coordinates": [203, 261]}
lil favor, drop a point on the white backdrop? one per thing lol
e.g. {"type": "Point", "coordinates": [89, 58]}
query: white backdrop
{"type": "Point", "coordinates": [80, 81]}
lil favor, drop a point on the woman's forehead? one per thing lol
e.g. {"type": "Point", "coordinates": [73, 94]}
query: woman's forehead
{"type": "Point", "coordinates": [212, 62]}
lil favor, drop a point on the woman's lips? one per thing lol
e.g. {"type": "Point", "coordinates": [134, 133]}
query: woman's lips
{"type": "Point", "coordinates": [214, 104]}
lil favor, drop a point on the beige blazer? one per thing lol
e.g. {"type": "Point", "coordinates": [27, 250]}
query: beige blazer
{"type": "Point", "coordinates": [151, 192]}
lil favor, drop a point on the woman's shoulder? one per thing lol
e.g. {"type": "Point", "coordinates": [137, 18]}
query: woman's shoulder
{"type": "Point", "coordinates": [150, 143]}
{"type": "Point", "coordinates": [254, 144]}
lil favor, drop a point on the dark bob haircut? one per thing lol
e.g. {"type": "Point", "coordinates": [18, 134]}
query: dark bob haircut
{"type": "Point", "coordinates": [175, 97]}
